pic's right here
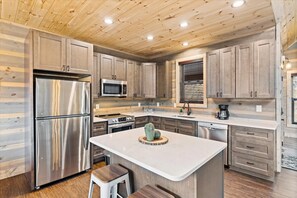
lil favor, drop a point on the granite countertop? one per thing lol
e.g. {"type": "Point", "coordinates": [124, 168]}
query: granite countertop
{"type": "Point", "coordinates": [187, 153]}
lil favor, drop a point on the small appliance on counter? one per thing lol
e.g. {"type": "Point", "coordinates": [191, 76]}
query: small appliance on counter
{"type": "Point", "coordinates": [223, 114]}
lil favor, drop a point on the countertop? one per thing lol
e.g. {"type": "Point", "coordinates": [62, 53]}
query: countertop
{"type": "Point", "coordinates": [176, 160]}
{"type": "Point", "coordinates": [263, 124]}
{"type": "Point", "coordinates": [96, 119]}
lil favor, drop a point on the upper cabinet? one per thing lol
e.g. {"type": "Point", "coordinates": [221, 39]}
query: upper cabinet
{"type": "Point", "coordinates": [55, 53]}
{"type": "Point", "coordinates": [148, 80]}
{"type": "Point", "coordinates": [96, 75]}
{"type": "Point", "coordinates": [130, 78]}
{"type": "Point", "coordinates": [244, 71]}
{"type": "Point", "coordinates": [137, 80]}
{"type": "Point", "coordinates": [255, 70]}
{"type": "Point", "coordinates": [221, 73]}
{"type": "Point", "coordinates": [164, 79]}
{"type": "Point", "coordinates": [113, 68]}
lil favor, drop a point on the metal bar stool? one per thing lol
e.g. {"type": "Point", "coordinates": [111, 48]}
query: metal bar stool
{"type": "Point", "coordinates": [108, 178]}
{"type": "Point", "coordinates": [150, 192]}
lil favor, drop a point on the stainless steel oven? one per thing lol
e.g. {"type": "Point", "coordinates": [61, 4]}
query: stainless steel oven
{"type": "Point", "coordinates": [120, 127]}
{"type": "Point", "coordinates": [115, 88]}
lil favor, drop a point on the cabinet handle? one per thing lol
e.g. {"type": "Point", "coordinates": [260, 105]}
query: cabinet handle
{"type": "Point", "coordinates": [217, 94]}
{"type": "Point", "coordinates": [255, 94]}
{"type": "Point", "coordinates": [250, 147]}
{"type": "Point", "coordinates": [115, 77]}
{"type": "Point", "coordinates": [251, 94]}
{"type": "Point", "coordinates": [250, 163]}
{"type": "Point", "coordinates": [68, 68]}
{"type": "Point", "coordinates": [221, 94]}
{"type": "Point", "coordinates": [249, 133]}
{"type": "Point", "coordinates": [63, 67]}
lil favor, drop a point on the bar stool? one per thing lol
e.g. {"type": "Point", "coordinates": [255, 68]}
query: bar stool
{"type": "Point", "coordinates": [150, 192]}
{"type": "Point", "coordinates": [108, 178]}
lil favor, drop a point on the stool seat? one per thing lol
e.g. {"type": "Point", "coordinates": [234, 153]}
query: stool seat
{"type": "Point", "coordinates": [150, 192]}
{"type": "Point", "coordinates": [108, 178]}
{"type": "Point", "coordinates": [110, 172]}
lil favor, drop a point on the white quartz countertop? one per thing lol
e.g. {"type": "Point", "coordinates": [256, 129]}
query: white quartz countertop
{"type": "Point", "coordinates": [263, 124]}
{"type": "Point", "coordinates": [175, 160]}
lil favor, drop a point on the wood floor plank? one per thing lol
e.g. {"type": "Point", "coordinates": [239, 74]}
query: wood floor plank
{"type": "Point", "coordinates": [236, 185]}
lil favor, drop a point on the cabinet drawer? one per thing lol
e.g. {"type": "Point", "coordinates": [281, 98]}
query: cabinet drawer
{"type": "Point", "coordinates": [157, 126]}
{"type": "Point", "coordinates": [141, 120]}
{"type": "Point", "coordinates": [101, 126]}
{"type": "Point", "coordinates": [253, 147]}
{"type": "Point", "coordinates": [186, 131]}
{"type": "Point", "coordinates": [253, 133]}
{"type": "Point", "coordinates": [189, 125]}
{"type": "Point", "coordinates": [253, 164]}
{"type": "Point", "coordinates": [169, 128]}
{"type": "Point", "coordinates": [156, 120]}
{"type": "Point", "coordinates": [140, 125]}
{"type": "Point", "coordinates": [169, 121]}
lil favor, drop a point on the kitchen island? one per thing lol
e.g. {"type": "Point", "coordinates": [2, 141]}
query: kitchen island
{"type": "Point", "coordinates": [186, 166]}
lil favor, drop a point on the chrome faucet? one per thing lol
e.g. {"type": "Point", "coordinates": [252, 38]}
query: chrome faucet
{"type": "Point", "coordinates": [188, 108]}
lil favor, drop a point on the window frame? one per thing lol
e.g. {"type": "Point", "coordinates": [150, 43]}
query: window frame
{"type": "Point", "coordinates": [289, 99]}
{"type": "Point", "coordinates": [178, 80]}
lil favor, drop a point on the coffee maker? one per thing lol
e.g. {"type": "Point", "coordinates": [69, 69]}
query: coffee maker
{"type": "Point", "coordinates": [224, 113]}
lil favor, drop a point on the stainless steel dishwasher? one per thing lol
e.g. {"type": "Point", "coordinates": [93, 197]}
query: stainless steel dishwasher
{"type": "Point", "coordinates": [218, 132]}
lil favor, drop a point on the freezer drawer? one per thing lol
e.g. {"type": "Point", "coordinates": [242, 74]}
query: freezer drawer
{"type": "Point", "coordinates": [62, 148]}
{"type": "Point", "coordinates": [61, 97]}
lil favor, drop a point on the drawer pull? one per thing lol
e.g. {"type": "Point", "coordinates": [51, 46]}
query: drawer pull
{"type": "Point", "coordinates": [249, 133]}
{"type": "Point", "coordinates": [250, 163]}
{"type": "Point", "coordinates": [250, 147]}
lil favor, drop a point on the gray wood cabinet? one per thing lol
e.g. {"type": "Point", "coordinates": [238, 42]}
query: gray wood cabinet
{"type": "Point", "coordinates": [113, 67]}
{"type": "Point", "coordinates": [130, 78]}
{"type": "Point", "coordinates": [96, 76]}
{"type": "Point", "coordinates": [157, 121]}
{"type": "Point", "coordinates": [255, 70]}
{"type": "Point", "coordinates": [137, 80]}
{"type": "Point", "coordinates": [55, 53]}
{"type": "Point", "coordinates": [164, 79]}
{"type": "Point", "coordinates": [99, 128]}
{"type": "Point", "coordinates": [253, 151]}
{"type": "Point", "coordinates": [148, 80]}
{"type": "Point", "coordinates": [141, 121]}
{"type": "Point", "coordinates": [221, 73]}
{"type": "Point", "coordinates": [179, 126]}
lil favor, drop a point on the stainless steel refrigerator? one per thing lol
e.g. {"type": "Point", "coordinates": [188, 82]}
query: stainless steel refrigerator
{"type": "Point", "coordinates": [62, 129]}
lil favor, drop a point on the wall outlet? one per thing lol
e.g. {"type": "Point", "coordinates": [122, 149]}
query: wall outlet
{"type": "Point", "coordinates": [158, 104]}
{"type": "Point", "coordinates": [139, 104]}
{"type": "Point", "coordinates": [258, 108]}
{"type": "Point", "coordinates": [97, 106]}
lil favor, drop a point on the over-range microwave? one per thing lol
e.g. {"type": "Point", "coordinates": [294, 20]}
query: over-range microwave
{"type": "Point", "coordinates": [117, 88]}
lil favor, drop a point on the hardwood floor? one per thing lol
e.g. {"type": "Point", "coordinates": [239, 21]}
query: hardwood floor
{"type": "Point", "coordinates": [237, 185]}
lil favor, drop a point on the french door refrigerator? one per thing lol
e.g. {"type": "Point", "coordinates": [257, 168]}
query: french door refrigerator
{"type": "Point", "coordinates": [62, 129]}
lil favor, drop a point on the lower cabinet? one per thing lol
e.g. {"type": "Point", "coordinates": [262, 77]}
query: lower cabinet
{"type": "Point", "coordinates": [99, 128]}
{"type": "Point", "coordinates": [141, 121]}
{"type": "Point", "coordinates": [157, 121]}
{"type": "Point", "coordinates": [253, 151]}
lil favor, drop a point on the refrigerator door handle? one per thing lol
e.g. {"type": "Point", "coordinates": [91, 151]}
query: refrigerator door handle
{"type": "Point", "coordinates": [87, 134]}
{"type": "Point", "coordinates": [87, 100]}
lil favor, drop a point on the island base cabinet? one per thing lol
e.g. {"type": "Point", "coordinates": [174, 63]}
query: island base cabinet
{"type": "Point", "coordinates": [207, 181]}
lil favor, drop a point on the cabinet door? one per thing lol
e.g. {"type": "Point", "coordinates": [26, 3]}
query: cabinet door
{"type": "Point", "coordinates": [120, 69]}
{"type": "Point", "coordinates": [79, 56]}
{"type": "Point", "coordinates": [213, 71]}
{"type": "Point", "coordinates": [106, 66]}
{"type": "Point", "coordinates": [96, 75]}
{"type": "Point", "coordinates": [49, 52]}
{"type": "Point", "coordinates": [264, 75]}
{"type": "Point", "coordinates": [164, 79]}
{"type": "Point", "coordinates": [244, 71]}
{"type": "Point", "coordinates": [137, 80]}
{"type": "Point", "coordinates": [227, 72]}
{"type": "Point", "coordinates": [130, 78]}
{"type": "Point", "coordinates": [149, 80]}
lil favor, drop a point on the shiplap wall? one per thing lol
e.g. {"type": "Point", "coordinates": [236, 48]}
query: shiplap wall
{"type": "Point", "coordinates": [12, 85]}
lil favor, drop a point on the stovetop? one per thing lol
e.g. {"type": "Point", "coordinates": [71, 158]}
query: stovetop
{"type": "Point", "coordinates": [116, 118]}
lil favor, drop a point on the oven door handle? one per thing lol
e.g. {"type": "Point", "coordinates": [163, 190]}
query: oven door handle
{"type": "Point", "coordinates": [121, 125]}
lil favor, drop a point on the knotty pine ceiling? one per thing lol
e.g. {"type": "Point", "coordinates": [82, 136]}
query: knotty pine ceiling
{"type": "Point", "coordinates": [210, 21]}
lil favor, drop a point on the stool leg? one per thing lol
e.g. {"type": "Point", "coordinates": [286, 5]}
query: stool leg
{"type": "Point", "coordinates": [105, 191]}
{"type": "Point", "coordinates": [115, 191]}
{"type": "Point", "coordinates": [127, 182]}
{"type": "Point", "coordinates": [91, 189]}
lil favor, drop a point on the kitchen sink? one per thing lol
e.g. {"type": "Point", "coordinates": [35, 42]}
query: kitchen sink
{"type": "Point", "coordinates": [183, 116]}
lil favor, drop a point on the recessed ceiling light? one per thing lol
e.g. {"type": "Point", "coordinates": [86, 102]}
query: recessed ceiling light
{"type": "Point", "coordinates": [185, 43]}
{"type": "Point", "coordinates": [237, 3]}
{"type": "Point", "coordinates": [183, 24]}
{"type": "Point", "coordinates": [108, 21]}
{"type": "Point", "coordinates": [150, 37]}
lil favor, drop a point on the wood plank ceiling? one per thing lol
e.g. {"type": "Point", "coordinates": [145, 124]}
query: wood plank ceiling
{"type": "Point", "coordinates": [210, 21]}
